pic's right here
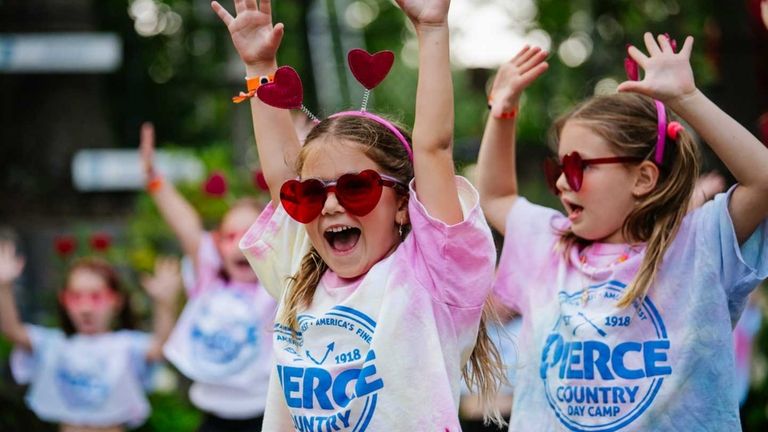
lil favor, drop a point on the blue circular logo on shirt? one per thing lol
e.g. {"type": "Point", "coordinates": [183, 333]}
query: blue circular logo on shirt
{"type": "Point", "coordinates": [224, 333]}
{"type": "Point", "coordinates": [329, 377]}
{"type": "Point", "coordinates": [602, 367]}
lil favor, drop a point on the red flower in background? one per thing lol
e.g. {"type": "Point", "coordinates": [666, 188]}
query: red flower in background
{"type": "Point", "coordinates": [100, 241]}
{"type": "Point", "coordinates": [64, 245]}
{"type": "Point", "coordinates": [763, 125]}
{"type": "Point", "coordinates": [259, 181]}
{"type": "Point", "coordinates": [672, 42]}
{"type": "Point", "coordinates": [216, 185]}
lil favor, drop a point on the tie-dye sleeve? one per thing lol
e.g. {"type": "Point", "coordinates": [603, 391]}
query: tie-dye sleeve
{"type": "Point", "coordinates": [530, 248]}
{"type": "Point", "coordinates": [274, 246]}
{"type": "Point", "coordinates": [454, 262]}
{"type": "Point", "coordinates": [740, 267]}
{"type": "Point", "coordinates": [25, 363]}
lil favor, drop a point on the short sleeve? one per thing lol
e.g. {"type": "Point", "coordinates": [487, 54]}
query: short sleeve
{"type": "Point", "coordinates": [274, 246]}
{"type": "Point", "coordinates": [531, 236]}
{"type": "Point", "coordinates": [741, 267]}
{"type": "Point", "coordinates": [25, 363]}
{"type": "Point", "coordinates": [138, 344]}
{"type": "Point", "coordinates": [454, 262]}
{"type": "Point", "coordinates": [207, 267]}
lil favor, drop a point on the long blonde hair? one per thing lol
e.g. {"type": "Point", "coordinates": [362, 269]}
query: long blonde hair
{"type": "Point", "coordinates": [484, 369]}
{"type": "Point", "coordinates": [629, 123]}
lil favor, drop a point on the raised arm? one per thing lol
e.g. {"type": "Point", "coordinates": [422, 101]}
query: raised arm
{"type": "Point", "coordinates": [177, 212]}
{"type": "Point", "coordinates": [433, 125]}
{"type": "Point", "coordinates": [10, 323]}
{"type": "Point", "coordinates": [497, 173]}
{"type": "Point", "coordinates": [163, 287]}
{"type": "Point", "coordinates": [669, 78]}
{"type": "Point", "coordinates": [256, 41]}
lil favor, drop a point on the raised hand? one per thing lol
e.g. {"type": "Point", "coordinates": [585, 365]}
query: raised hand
{"type": "Point", "coordinates": [668, 75]}
{"type": "Point", "coordinates": [163, 286]}
{"type": "Point", "coordinates": [515, 76]}
{"type": "Point", "coordinates": [255, 38]}
{"type": "Point", "coordinates": [10, 264]}
{"type": "Point", "coordinates": [425, 12]}
{"type": "Point", "coordinates": [147, 148]}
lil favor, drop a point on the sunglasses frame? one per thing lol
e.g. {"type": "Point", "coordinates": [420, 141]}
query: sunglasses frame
{"type": "Point", "coordinates": [294, 209]}
{"type": "Point", "coordinates": [573, 165]}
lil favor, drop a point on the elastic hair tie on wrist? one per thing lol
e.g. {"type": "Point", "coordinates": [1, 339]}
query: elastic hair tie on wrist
{"type": "Point", "coordinates": [154, 184]}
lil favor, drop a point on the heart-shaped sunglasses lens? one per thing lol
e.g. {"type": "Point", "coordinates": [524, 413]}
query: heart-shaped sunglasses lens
{"type": "Point", "coordinates": [552, 172]}
{"type": "Point", "coordinates": [303, 201]}
{"type": "Point", "coordinates": [573, 167]}
{"type": "Point", "coordinates": [359, 193]}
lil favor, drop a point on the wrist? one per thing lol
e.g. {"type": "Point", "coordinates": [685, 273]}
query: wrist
{"type": "Point", "coordinates": [684, 100]}
{"type": "Point", "coordinates": [260, 68]}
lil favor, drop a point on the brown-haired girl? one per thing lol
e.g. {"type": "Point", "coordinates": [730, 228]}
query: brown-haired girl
{"type": "Point", "coordinates": [379, 255]}
{"type": "Point", "coordinates": [628, 300]}
{"type": "Point", "coordinates": [92, 375]}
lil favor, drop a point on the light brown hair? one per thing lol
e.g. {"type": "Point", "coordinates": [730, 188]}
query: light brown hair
{"type": "Point", "coordinates": [485, 370]}
{"type": "Point", "coordinates": [629, 123]}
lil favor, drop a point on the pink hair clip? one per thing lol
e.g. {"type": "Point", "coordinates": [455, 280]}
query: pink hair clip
{"type": "Point", "coordinates": [286, 91]}
{"type": "Point", "coordinates": [674, 129]}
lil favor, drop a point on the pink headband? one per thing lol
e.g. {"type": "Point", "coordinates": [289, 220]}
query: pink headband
{"type": "Point", "coordinates": [382, 121]}
{"type": "Point", "coordinates": [661, 132]}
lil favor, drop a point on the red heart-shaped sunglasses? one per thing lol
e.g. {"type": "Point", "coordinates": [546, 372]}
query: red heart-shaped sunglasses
{"type": "Point", "coordinates": [357, 193]}
{"type": "Point", "coordinates": [573, 168]}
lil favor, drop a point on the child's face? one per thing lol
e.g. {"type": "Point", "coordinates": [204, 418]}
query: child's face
{"type": "Point", "coordinates": [599, 208]}
{"type": "Point", "coordinates": [234, 225]}
{"type": "Point", "coordinates": [362, 240]}
{"type": "Point", "coordinates": [90, 304]}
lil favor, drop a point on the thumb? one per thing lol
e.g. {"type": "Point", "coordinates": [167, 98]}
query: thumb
{"type": "Point", "coordinates": [631, 87]}
{"type": "Point", "coordinates": [277, 33]}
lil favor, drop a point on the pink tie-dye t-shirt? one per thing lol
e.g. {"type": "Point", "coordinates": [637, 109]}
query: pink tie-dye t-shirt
{"type": "Point", "coordinates": [383, 352]}
{"type": "Point", "coordinates": [663, 364]}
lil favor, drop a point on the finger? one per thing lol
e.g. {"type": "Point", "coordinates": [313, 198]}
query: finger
{"type": "Point", "coordinates": [20, 262]}
{"type": "Point", "coordinates": [277, 34]}
{"type": "Point", "coordinates": [638, 56]}
{"type": "Point", "coordinates": [632, 87]}
{"type": "Point", "coordinates": [527, 55]}
{"type": "Point", "coordinates": [533, 62]}
{"type": "Point", "coordinates": [265, 6]}
{"type": "Point", "coordinates": [520, 53]}
{"type": "Point", "coordinates": [650, 44]}
{"type": "Point", "coordinates": [687, 47]}
{"type": "Point", "coordinates": [664, 43]}
{"type": "Point", "coordinates": [225, 17]}
{"type": "Point", "coordinates": [528, 77]}
{"type": "Point", "coordinates": [240, 6]}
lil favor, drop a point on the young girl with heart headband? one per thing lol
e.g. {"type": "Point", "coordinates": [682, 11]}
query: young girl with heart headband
{"type": "Point", "coordinates": [93, 373]}
{"type": "Point", "coordinates": [222, 339]}
{"type": "Point", "coordinates": [379, 256]}
{"type": "Point", "coordinates": [628, 302]}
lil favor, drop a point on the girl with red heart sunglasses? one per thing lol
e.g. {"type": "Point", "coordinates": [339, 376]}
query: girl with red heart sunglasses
{"type": "Point", "coordinates": [377, 252]}
{"type": "Point", "coordinates": [89, 374]}
{"type": "Point", "coordinates": [628, 299]}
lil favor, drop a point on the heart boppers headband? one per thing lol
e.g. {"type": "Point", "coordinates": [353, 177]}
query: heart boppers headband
{"type": "Point", "coordinates": [283, 89]}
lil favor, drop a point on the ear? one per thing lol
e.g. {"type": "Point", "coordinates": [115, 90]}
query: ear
{"type": "Point", "coordinates": [646, 177]}
{"type": "Point", "coordinates": [401, 216]}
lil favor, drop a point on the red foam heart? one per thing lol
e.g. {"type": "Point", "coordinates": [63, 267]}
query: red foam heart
{"type": "Point", "coordinates": [285, 91]}
{"type": "Point", "coordinates": [370, 69]}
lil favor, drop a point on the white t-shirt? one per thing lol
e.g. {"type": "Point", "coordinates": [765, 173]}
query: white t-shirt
{"type": "Point", "coordinates": [85, 380]}
{"type": "Point", "coordinates": [222, 340]}
{"type": "Point", "coordinates": [664, 364]}
{"type": "Point", "coordinates": [385, 352]}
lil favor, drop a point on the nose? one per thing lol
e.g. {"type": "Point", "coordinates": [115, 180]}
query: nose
{"type": "Point", "coordinates": [562, 183]}
{"type": "Point", "coordinates": [331, 205]}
